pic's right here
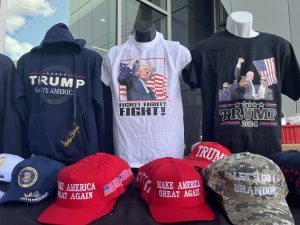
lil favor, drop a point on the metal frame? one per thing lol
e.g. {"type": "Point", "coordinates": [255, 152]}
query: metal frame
{"type": "Point", "coordinates": [167, 13]}
{"type": "Point", "coordinates": [150, 4]}
{"type": "Point", "coordinates": [119, 22]}
{"type": "Point", "coordinates": [169, 20]}
{"type": "Point", "coordinates": [216, 14]}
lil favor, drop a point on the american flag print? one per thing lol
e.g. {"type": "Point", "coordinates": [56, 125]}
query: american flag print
{"type": "Point", "coordinates": [266, 68]}
{"type": "Point", "coordinates": [108, 189]}
{"type": "Point", "coordinates": [157, 83]}
{"type": "Point", "coordinates": [117, 182]}
{"type": "Point", "coordinates": [124, 175]}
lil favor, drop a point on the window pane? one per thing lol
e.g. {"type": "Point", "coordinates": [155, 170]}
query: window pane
{"type": "Point", "coordinates": [94, 21]}
{"type": "Point", "coordinates": [133, 11]}
{"type": "Point", "coordinates": [161, 3]}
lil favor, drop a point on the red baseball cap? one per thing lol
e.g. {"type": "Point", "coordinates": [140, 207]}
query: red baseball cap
{"type": "Point", "coordinates": [143, 171]}
{"type": "Point", "coordinates": [204, 153]}
{"type": "Point", "coordinates": [121, 167]}
{"type": "Point", "coordinates": [175, 193]}
{"type": "Point", "coordinates": [87, 190]}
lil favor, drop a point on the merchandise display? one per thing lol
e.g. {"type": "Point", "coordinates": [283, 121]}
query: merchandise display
{"type": "Point", "coordinates": [58, 93]}
{"type": "Point", "coordinates": [33, 180]}
{"type": "Point", "coordinates": [174, 192]}
{"type": "Point", "coordinates": [252, 189]}
{"type": "Point", "coordinates": [7, 165]}
{"type": "Point", "coordinates": [87, 190]}
{"type": "Point", "coordinates": [148, 115]}
{"type": "Point", "coordinates": [93, 189]}
{"type": "Point", "coordinates": [204, 153]}
{"type": "Point", "coordinates": [241, 81]}
{"type": "Point", "coordinates": [56, 126]}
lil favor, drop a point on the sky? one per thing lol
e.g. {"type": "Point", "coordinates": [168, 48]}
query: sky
{"type": "Point", "coordinates": [29, 20]}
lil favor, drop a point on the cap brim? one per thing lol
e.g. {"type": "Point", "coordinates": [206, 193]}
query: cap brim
{"type": "Point", "coordinates": [196, 163]}
{"type": "Point", "coordinates": [258, 213]}
{"type": "Point", "coordinates": [163, 214]}
{"type": "Point", "coordinates": [56, 214]}
{"type": "Point", "coordinates": [18, 196]}
{"type": "Point", "coordinates": [5, 180]}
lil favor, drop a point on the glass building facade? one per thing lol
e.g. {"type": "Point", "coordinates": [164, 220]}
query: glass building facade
{"type": "Point", "coordinates": [105, 23]}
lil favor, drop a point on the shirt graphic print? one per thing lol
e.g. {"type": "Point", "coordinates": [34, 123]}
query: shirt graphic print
{"type": "Point", "coordinates": [236, 105]}
{"type": "Point", "coordinates": [142, 80]}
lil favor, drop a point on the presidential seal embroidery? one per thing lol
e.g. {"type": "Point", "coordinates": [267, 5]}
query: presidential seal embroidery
{"type": "Point", "coordinates": [27, 177]}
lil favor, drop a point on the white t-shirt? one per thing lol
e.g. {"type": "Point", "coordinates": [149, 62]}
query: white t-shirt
{"type": "Point", "coordinates": [147, 105]}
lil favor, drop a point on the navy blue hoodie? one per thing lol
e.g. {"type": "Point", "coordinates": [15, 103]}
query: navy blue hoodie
{"type": "Point", "coordinates": [12, 139]}
{"type": "Point", "coordinates": [58, 95]}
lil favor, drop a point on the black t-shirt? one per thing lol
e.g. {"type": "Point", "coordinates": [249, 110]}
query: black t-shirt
{"type": "Point", "coordinates": [241, 81]}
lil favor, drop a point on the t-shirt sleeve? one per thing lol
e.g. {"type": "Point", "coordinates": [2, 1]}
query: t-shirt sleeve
{"type": "Point", "coordinates": [106, 70]}
{"type": "Point", "coordinates": [190, 73]}
{"type": "Point", "coordinates": [291, 75]}
{"type": "Point", "coordinates": [183, 57]}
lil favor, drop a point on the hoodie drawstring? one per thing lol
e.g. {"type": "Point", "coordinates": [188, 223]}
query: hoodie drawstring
{"type": "Point", "coordinates": [75, 89]}
{"type": "Point", "coordinates": [40, 74]}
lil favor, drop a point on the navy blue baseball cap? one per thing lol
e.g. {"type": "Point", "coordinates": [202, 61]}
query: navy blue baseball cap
{"type": "Point", "coordinates": [289, 163]}
{"type": "Point", "coordinates": [33, 180]}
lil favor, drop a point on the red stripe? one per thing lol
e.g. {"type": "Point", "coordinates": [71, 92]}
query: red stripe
{"type": "Point", "coordinates": [157, 78]}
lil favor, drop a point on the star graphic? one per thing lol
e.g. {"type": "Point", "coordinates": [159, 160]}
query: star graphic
{"type": "Point", "coordinates": [254, 105]}
{"type": "Point", "coordinates": [261, 105]}
{"type": "Point", "coordinates": [244, 104]}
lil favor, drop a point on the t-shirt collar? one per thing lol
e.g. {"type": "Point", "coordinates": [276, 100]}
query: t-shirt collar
{"type": "Point", "coordinates": [145, 44]}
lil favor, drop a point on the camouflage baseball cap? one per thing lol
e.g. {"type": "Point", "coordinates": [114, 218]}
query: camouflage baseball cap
{"type": "Point", "coordinates": [252, 187]}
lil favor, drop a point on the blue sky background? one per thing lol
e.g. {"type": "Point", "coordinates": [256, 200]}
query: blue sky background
{"type": "Point", "coordinates": [35, 28]}
{"type": "Point", "coordinates": [34, 31]}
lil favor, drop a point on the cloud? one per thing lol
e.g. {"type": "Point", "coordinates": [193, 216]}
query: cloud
{"type": "Point", "coordinates": [14, 23]}
{"type": "Point", "coordinates": [16, 49]}
{"type": "Point", "coordinates": [20, 11]}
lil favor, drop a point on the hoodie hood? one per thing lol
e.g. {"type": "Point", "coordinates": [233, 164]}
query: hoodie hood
{"type": "Point", "coordinates": [58, 35]}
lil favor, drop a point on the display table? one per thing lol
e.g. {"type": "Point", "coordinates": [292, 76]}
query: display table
{"type": "Point", "coordinates": [130, 209]}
